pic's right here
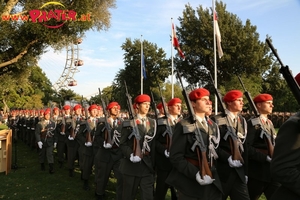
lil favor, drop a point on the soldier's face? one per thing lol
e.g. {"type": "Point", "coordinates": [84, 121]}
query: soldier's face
{"type": "Point", "coordinates": [265, 107]}
{"type": "Point", "coordinates": [47, 116]}
{"type": "Point", "coordinates": [143, 108]}
{"type": "Point", "coordinates": [236, 105]}
{"type": "Point", "coordinates": [78, 112]}
{"type": "Point", "coordinates": [201, 105]}
{"type": "Point", "coordinates": [175, 109]}
{"type": "Point", "coordinates": [93, 112]}
{"type": "Point", "coordinates": [114, 111]}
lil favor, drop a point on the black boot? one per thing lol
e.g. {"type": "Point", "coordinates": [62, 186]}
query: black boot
{"type": "Point", "coordinates": [42, 166]}
{"type": "Point", "coordinates": [51, 170]}
{"type": "Point", "coordinates": [60, 164]}
{"type": "Point", "coordinates": [99, 196]}
{"type": "Point", "coordinates": [71, 172]}
{"type": "Point", "coordinates": [86, 185]}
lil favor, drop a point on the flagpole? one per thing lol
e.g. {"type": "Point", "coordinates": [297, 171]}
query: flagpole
{"type": "Point", "coordinates": [142, 64]}
{"type": "Point", "coordinates": [172, 60]}
{"type": "Point", "coordinates": [215, 57]}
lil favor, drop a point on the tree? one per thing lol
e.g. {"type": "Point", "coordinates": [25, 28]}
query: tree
{"type": "Point", "coordinates": [244, 54]}
{"type": "Point", "coordinates": [158, 68]}
{"type": "Point", "coordinates": [24, 39]}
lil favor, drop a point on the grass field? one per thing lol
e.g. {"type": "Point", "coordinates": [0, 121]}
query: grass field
{"type": "Point", "coordinates": [28, 182]}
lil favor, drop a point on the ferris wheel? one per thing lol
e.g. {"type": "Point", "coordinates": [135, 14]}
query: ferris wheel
{"type": "Point", "coordinates": [71, 67]}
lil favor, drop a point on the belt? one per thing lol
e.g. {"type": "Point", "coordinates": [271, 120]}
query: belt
{"type": "Point", "coordinates": [264, 151]}
{"type": "Point", "coordinates": [194, 162]}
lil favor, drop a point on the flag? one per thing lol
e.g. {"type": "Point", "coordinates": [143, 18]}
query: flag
{"type": "Point", "coordinates": [218, 35]}
{"type": "Point", "coordinates": [143, 62]}
{"type": "Point", "coordinates": [176, 43]}
{"type": "Point", "coordinates": [143, 65]}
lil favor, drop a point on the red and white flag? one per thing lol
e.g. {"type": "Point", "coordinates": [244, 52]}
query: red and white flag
{"type": "Point", "coordinates": [218, 35]}
{"type": "Point", "coordinates": [176, 43]}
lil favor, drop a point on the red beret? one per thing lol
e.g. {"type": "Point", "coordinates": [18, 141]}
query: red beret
{"type": "Point", "coordinates": [99, 107]}
{"type": "Point", "coordinates": [78, 106]}
{"type": "Point", "coordinates": [119, 107]}
{"type": "Point", "coordinates": [262, 98]}
{"type": "Point", "coordinates": [297, 78]}
{"type": "Point", "coordinates": [94, 106]}
{"type": "Point", "coordinates": [56, 108]}
{"type": "Point", "coordinates": [159, 106]}
{"type": "Point", "coordinates": [66, 107]}
{"type": "Point", "coordinates": [142, 98]}
{"type": "Point", "coordinates": [111, 105]}
{"type": "Point", "coordinates": [47, 111]}
{"type": "Point", "coordinates": [198, 94]}
{"type": "Point", "coordinates": [232, 95]}
{"type": "Point", "coordinates": [174, 101]}
{"type": "Point", "coordinates": [41, 111]}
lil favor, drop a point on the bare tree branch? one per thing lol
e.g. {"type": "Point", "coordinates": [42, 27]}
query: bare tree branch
{"type": "Point", "coordinates": [20, 55]}
{"type": "Point", "coordinates": [9, 6]}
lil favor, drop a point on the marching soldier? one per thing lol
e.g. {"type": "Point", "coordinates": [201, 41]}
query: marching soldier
{"type": "Point", "coordinates": [44, 134]}
{"type": "Point", "coordinates": [285, 164]}
{"type": "Point", "coordinates": [163, 138]}
{"type": "Point", "coordinates": [109, 154]}
{"type": "Point", "coordinates": [75, 140]}
{"type": "Point", "coordinates": [232, 151]}
{"type": "Point", "coordinates": [193, 152]}
{"type": "Point", "coordinates": [90, 147]}
{"type": "Point", "coordinates": [260, 138]}
{"type": "Point", "coordinates": [65, 127]}
{"type": "Point", "coordinates": [138, 148]}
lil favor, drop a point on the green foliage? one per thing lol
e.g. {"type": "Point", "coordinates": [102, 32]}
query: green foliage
{"type": "Point", "coordinates": [158, 68]}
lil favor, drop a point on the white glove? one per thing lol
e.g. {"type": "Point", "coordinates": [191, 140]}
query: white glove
{"type": "Point", "coordinates": [70, 138]}
{"type": "Point", "coordinates": [135, 159]}
{"type": "Point", "coordinates": [234, 163]}
{"type": "Point", "coordinates": [88, 144]}
{"type": "Point", "coordinates": [107, 145]}
{"type": "Point", "coordinates": [269, 159]}
{"type": "Point", "coordinates": [55, 144]}
{"type": "Point", "coordinates": [246, 179]}
{"type": "Point", "coordinates": [40, 144]}
{"type": "Point", "coordinates": [167, 154]}
{"type": "Point", "coordinates": [62, 133]}
{"type": "Point", "coordinates": [205, 181]}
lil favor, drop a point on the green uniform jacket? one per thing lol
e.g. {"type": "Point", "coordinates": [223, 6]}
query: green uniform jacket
{"type": "Point", "coordinates": [146, 166]}
{"type": "Point", "coordinates": [285, 164]}
{"type": "Point", "coordinates": [183, 174]}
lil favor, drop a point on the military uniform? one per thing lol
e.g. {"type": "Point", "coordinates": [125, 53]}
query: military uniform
{"type": "Point", "coordinates": [44, 133]}
{"type": "Point", "coordinates": [108, 158]}
{"type": "Point", "coordinates": [261, 141]}
{"type": "Point", "coordinates": [285, 164]}
{"type": "Point", "coordinates": [63, 131]}
{"type": "Point", "coordinates": [193, 147]}
{"type": "Point", "coordinates": [138, 147]}
{"type": "Point", "coordinates": [90, 148]}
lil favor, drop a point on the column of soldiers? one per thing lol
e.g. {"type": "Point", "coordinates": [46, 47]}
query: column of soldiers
{"type": "Point", "coordinates": [195, 157]}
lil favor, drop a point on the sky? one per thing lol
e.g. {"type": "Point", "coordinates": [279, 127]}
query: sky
{"type": "Point", "coordinates": [103, 57]}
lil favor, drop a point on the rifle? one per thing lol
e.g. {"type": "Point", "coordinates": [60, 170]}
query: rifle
{"type": "Point", "coordinates": [264, 135]}
{"type": "Point", "coordinates": [135, 131]}
{"type": "Point", "coordinates": [285, 71]}
{"type": "Point", "coordinates": [232, 137]}
{"type": "Point", "coordinates": [168, 130]}
{"type": "Point", "coordinates": [199, 143]}
{"type": "Point", "coordinates": [154, 105]}
{"type": "Point", "coordinates": [88, 137]}
{"type": "Point", "coordinates": [107, 128]}
{"type": "Point", "coordinates": [63, 121]}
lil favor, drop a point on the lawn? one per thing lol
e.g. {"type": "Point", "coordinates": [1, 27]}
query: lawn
{"type": "Point", "coordinates": [28, 182]}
